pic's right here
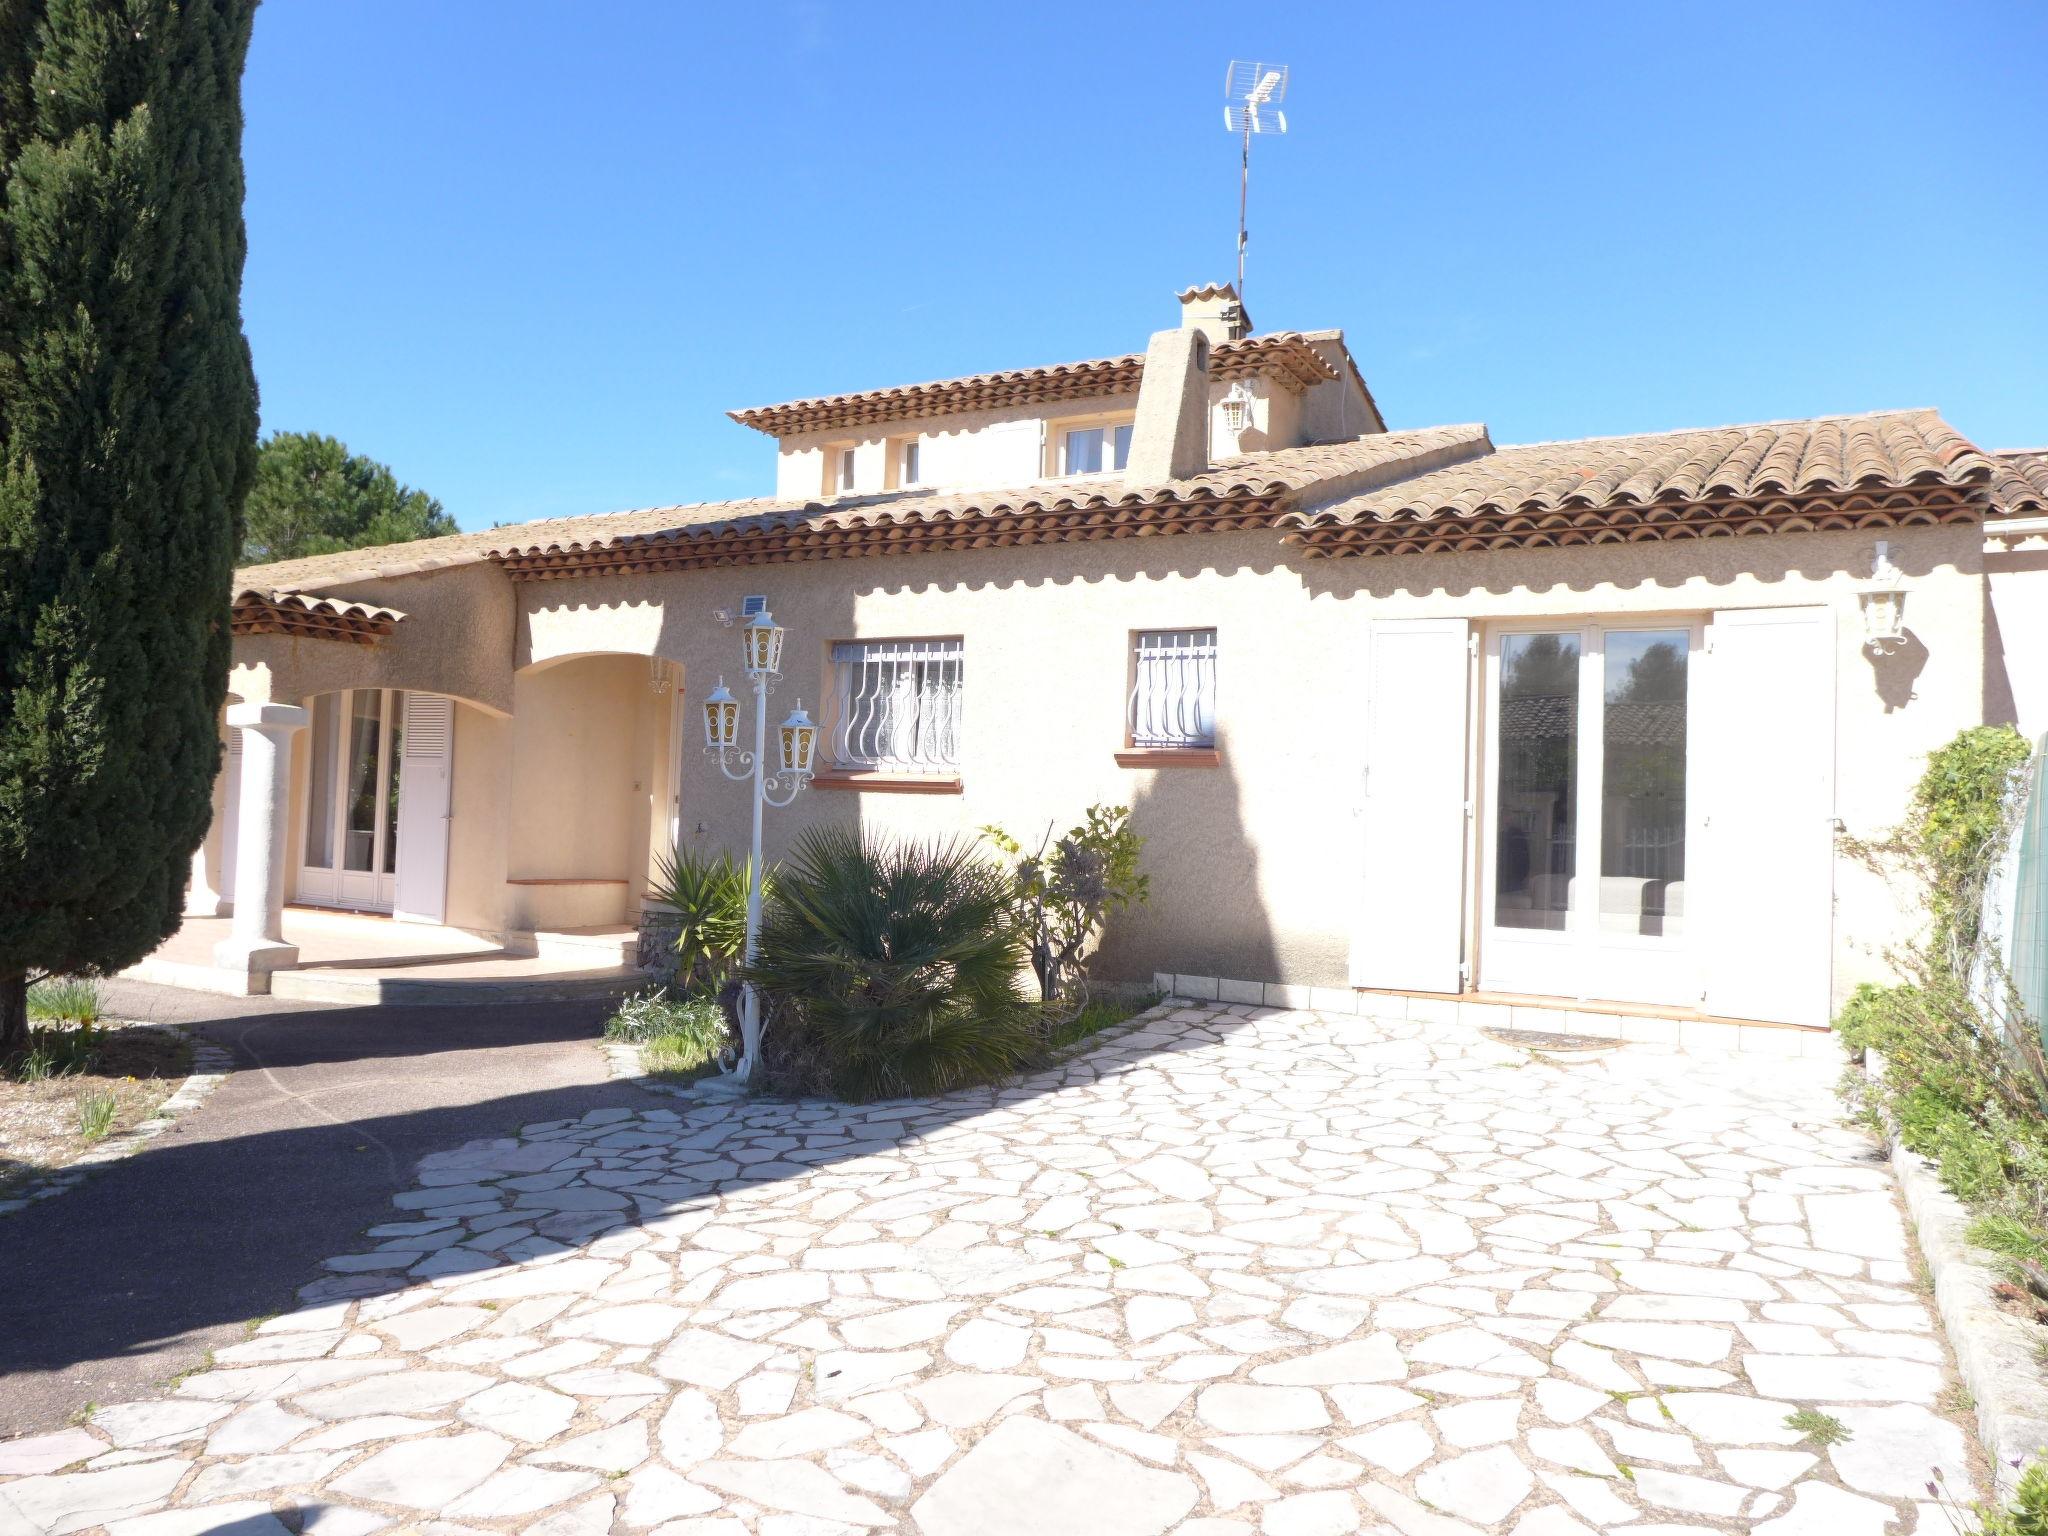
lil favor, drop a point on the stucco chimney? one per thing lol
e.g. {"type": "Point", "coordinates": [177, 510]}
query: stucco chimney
{"type": "Point", "coordinates": [1213, 310]}
{"type": "Point", "coordinates": [1170, 438]}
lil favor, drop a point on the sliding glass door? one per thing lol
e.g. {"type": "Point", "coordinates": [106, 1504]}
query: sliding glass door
{"type": "Point", "coordinates": [350, 848]}
{"type": "Point", "coordinates": [1589, 816]}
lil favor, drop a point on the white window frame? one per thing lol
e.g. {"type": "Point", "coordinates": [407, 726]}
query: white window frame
{"type": "Point", "coordinates": [894, 706]}
{"type": "Point", "coordinates": [1109, 427]}
{"type": "Point", "coordinates": [909, 463]}
{"type": "Point", "coordinates": [1171, 703]}
{"type": "Point", "coordinates": [845, 469]}
{"type": "Point", "coordinates": [1580, 959]}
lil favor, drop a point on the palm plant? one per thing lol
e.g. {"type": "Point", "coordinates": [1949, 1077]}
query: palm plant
{"type": "Point", "coordinates": [709, 896]}
{"type": "Point", "coordinates": [900, 962]}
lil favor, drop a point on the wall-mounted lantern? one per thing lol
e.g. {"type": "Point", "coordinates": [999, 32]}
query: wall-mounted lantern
{"type": "Point", "coordinates": [1883, 601]}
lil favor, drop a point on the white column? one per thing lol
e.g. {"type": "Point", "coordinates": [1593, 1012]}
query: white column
{"type": "Point", "coordinates": [256, 945]}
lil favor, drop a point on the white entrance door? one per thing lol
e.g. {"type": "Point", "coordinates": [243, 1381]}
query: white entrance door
{"type": "Point", "coordinates": [350, 849]}
{"type": "Point", "coordinates": [1768, 907]}
{"type": "Point", "coordinates": [1589, 811]}
{"type": "Point", "coordinates": [426, 753]}
{"type": "Point", "coordinates": [1409, 931]}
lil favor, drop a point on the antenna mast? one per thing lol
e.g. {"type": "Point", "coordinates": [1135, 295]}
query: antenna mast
{"type": "Point", "coordinates": [1252, 93]}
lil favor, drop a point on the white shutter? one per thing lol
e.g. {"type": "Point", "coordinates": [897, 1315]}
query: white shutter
{"type": "Point", "coordinates": [1411, 918]}
{"type": "Point", "coordinates": [1765, 767]}
{"type": "Point", "coordinates": [427, 756]}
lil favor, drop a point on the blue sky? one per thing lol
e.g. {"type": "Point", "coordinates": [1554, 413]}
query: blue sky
{"type": "Point", "coordinates": [528, 253]}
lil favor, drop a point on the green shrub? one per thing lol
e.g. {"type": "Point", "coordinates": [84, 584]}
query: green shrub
{"type": "Point", "coordinates": [1063, 897]}
{"type": "Point", "coordinates": [57, 1051]}
{"type": "Point", "coordinates": [709, 896]}
{"type": "Point", "coordinates": [71, 999]}
{"type": "Point", "coordinates": [2027, 1515]}
{"type": "Point", "coordinates": [677, 1038]}
{"type": "Point", "coordinates": [1957, 826]}
{"type": "Point", "coordinates": [895, 966]}
{"type": "Point", "coordinates": [1964, 1082]}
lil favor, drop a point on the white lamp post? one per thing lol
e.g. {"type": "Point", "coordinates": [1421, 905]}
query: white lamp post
{"type": "Point", "coordinates": [797, 748]}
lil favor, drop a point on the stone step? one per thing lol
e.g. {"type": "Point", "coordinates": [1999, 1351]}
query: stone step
{"type": "Point", "coordinates": [506, 979]}
{"type": "Point", "coordinates": [612, 944]}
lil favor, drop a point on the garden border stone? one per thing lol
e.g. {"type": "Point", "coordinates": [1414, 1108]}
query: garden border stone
{"type": "Point", "coordinates": [210, 1064]}
{"type": "Point", "coordinates": [1997, 1355]}
{"type": "Point", "coordinates": [623, 1057]}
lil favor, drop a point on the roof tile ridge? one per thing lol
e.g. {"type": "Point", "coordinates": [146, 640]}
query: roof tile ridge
{"type": "Point", "coordinates": [1731, 426]}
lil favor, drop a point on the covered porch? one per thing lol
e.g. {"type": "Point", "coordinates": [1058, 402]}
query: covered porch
{"type": "Point", "coordinates": [348, 957]}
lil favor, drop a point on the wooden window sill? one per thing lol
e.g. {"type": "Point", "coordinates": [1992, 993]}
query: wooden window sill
{"type": "Point", "coordinates": [888, 783]}
{"type": "Point", "coordinates": [1170, 757]}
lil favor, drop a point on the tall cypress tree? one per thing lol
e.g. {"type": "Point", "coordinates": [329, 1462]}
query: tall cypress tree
{"type": "Point", "coordinates": [127, 443]}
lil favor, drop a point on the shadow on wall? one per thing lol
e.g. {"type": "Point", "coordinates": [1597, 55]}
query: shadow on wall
{"type": "Point", "coordinates": [713, 811]}
{"type": "Point", "coordinates": [1895, 672]}
{"type": "Point", "coordinates": [1206, 916]}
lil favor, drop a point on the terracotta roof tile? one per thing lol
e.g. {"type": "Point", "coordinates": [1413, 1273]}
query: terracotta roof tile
{"type": "Point", "coordinates": [1794, 458]}
{"type": "Point", "coordinates": [1236, 490]}
{"type": "Point", "coordinates": [1439, 488]}
{"type": "Point", "coordinates": [269, 611]}
{"type": "Point", "coordinates": [1285, 354]}
{"type": "Point", "coordinates": [2019, 484]}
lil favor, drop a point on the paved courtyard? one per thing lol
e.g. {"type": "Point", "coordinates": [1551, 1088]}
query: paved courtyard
{"type": "Point", "coordinates": [1239, 1271]}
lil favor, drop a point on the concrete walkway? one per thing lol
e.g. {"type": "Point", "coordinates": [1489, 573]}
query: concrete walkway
{"type": "Point", "coordinates": [1241, 1271]}
{"type": "Point", "coordinates": [134, 1275]}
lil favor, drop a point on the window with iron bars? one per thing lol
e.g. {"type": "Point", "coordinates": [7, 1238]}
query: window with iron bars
{"type": "Point", "coordinates": [895, 706]}
{"type": "Point", "coordinates": [1173, 688]}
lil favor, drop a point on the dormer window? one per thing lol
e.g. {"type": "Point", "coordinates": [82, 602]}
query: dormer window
{"type": "Point", "coordinates": [844, 482]}
{"type": "Point", "coordinates": [1095, 450]}
{"type": "Point", "coordinates": [907, 472]}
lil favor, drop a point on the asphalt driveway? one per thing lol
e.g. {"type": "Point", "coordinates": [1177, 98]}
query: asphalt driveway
{"type": "Point", "coordinates": [136, 1274]}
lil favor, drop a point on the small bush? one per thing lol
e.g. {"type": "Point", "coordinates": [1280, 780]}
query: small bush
{"type": "Point", "coordinates": [1063, 896]}
{"type": "Point", "coordinates": [676, 1038]}
{"type": "Point", "coordinates": [57, 1051]}
{"type": "Point", "coordinates": [894, 966]}
{"type": "Point", "coordinates": [709, 896]}
{"type": "Point", "coordinates": [70, 999]}
{"type": "Point", "coordinates": [2027, 1515]}
{"type": "Point", "coordinates": [1964, 1083]}
{"type": "Point", "coordinates": [96, 1108]}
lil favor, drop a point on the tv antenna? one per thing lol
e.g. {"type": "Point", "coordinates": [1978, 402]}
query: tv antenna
{"type": "Point", "coordinates": [1252, 93]}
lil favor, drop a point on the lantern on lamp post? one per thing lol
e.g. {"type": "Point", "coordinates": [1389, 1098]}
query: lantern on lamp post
{"type": "Point", "coordinates": [796, 757]}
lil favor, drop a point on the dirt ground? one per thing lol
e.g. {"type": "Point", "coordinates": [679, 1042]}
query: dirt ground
{"type": "Point", "coordinates": [39, 1121]}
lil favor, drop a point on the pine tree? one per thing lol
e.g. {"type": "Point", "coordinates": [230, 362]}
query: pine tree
{"type": "Point", "coordinates": [127, 443]}
{"type": "Point", "coordinates": [312, 496]}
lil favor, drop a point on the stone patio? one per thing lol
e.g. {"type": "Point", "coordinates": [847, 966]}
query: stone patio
{"type": "Point", "coordinates": [1240, 1270]}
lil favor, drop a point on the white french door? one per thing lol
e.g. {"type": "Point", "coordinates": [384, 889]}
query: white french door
{"type": "Point", "coordinates": [1590, 811]}
{"type": "Point", "coordinates": [349, 853]}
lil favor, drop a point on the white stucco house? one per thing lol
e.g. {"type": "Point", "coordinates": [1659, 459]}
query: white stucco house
{"type": "Point", "coordinates": [1570, 724]}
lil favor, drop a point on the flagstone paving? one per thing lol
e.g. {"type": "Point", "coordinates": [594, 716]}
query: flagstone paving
{"type": "Point", "coordinates": [1239, 1271]}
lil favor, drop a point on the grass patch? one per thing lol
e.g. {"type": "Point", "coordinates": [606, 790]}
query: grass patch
{"type": "Point", "coordinates": [96, 1110]}
{"type": "Point", "coordinates": [1099, 1015]}
{"type": "Point", "coordinates": [2008, 1236]}
{"type": "Point", "coordinates": [75, 1085]}
{"type": "Point", "coordinates": [69, 999]}
{"type": "Point", "coordinates": [1820, 1429]}
{"type": "Point", "coordinates": [679, 1040]}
